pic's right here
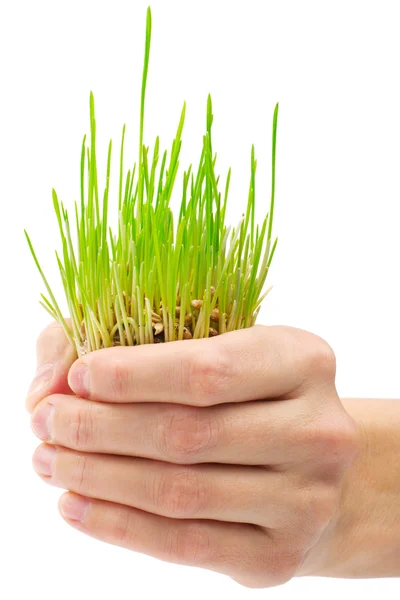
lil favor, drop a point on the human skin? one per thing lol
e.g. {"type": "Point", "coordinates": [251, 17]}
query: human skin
{"type": "Point", "coordinates": [233, 454]}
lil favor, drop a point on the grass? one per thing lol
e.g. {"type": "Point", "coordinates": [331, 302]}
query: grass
{"type": "Point", "coordinates": [155, 280]}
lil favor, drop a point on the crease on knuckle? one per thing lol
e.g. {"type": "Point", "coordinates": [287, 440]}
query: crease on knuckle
{"type": "Point", "coordinates": [80, 476]}
{"type": "Point", "coordinates": [183, 434]}
{"type": "Point", "coordinates": [80, 429]}
{"type": "Point", "coordinates": [188, 544]}
{"type": "Point", "coordinates": [181, 494]}
{"type": "Point", "coordinates": [209, 377]}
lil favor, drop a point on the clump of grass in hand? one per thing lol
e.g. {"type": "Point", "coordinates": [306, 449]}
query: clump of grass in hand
{"type": "Point", "coordinates": [153, 281]}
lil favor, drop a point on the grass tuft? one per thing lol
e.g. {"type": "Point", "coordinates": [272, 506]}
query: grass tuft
{"type": "Point", "coordinates": [155, 280]}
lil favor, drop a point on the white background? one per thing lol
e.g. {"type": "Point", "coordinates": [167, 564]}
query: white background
{"type": "Point", "coordinates": [334, 67]}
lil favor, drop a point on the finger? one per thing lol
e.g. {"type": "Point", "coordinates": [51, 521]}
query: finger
{"type": "Point", "coordinates": [242, 552]}
{"type": "Point", "coordinates": [251, 433]}
{"type": "Point", "coordinates": [224, 493]}
{"type": "Point", "coordinates": [55, 356]}
{"type": "Point", "coordinates": [251, 364]}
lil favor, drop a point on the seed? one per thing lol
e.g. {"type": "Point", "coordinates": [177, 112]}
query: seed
{"type": "Point", "coordinates": [158, 328]}
{"type": "Point", "coordinates": [197, 304]}
{"type": "Point", "coordinates": [214, 316]}
{"type": "Point", "coordinates": [187, 334]}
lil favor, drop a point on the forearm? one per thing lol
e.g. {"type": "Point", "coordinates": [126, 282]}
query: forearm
{"type": "Point", "coordinates": [363, 540]}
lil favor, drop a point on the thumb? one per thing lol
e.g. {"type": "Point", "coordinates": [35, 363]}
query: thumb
{"type": "Point", "coordinates": [55, 356]}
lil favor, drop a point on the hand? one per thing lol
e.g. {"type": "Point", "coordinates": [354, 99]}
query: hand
{"type": "Point", "coordinates": [54, 359]}
{"type": "Point", "coordinates": [226, 453]}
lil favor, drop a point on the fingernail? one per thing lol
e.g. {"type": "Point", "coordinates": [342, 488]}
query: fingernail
{"type": "Point", "coordinates": [43, 460]}
{"type": "Point", "coordinates": [42, 421]}
{"type": "Point", "coordinates": [43, 377]}
{"type": "Point", "coordinates": [74, 507]}
{"type": "Point", "coordinates": [79, 379]}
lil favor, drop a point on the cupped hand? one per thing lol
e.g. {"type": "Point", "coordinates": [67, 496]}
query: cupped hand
{"type": "Point", "coordinates": [225, 453]}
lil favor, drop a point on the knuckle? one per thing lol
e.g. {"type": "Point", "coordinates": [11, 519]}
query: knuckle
{"type": "Point", "coordinates": [332, 440]}
{"type": "Point", "coordinates": [80, 428]}
{"type": "Point", "coordinates": [250, 582]}
{"type": "Point", "coordinates": [285, 561]}
{"type": "Point", "coordinates": [123, 529]}
{"type": "Point", "coordinates": [80, 473]}
{"type": "Point", "coordinates": [183, 434]}
{"type": "Point", "coordinates": [318, 357]}
{"type": "Point", "coordinates": [255, 565]}
{"type": "Point", "coordinates": [313, 510]}
{"type": "Point", "coordinates": [181, 494]}
{"type": "Point", "coordinates": [209, 376]}
{"type": "Point", "coordinates": [271, 564]}
{"type": "Point", "coordinates": [188, 544]}
{"type": "Point", "coordinates": [120, 380]}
